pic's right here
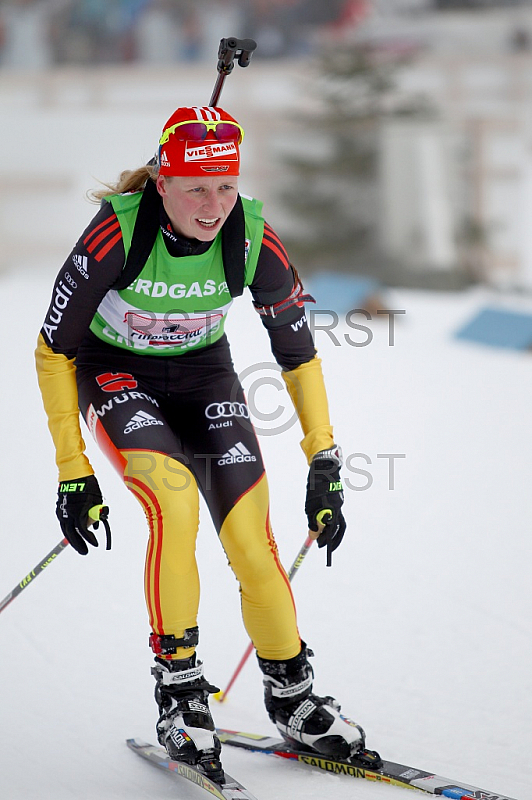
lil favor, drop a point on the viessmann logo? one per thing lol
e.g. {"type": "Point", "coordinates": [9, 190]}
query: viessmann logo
{"type": "Point", "coordinates": [226, 150]}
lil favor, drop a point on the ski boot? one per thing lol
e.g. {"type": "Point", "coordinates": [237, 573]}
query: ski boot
{"type": "Point", "coordinates": [303, 718]}
{"type": "Point", "coordinates": [185, 726]}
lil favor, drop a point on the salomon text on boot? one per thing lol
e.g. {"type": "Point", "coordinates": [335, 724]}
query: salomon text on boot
{"type": "Point", "coordinates": [305, 719]}
{"type": "Point", "coordinates": [185, 726]}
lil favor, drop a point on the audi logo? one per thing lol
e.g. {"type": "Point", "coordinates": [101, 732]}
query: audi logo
{"type": "Point", "coordinates": [70, 280]}
{"type": "Point", "coordinates": [217, 410]}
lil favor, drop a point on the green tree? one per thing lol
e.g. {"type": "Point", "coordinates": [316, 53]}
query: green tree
{"type": "Point", "coordinates": [331, 192]}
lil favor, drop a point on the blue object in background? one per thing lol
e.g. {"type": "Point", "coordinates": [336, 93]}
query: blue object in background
{"type": "Point", "coordinates": [337, 291]}
{"type": "Point", "coordinates": [499, 328]}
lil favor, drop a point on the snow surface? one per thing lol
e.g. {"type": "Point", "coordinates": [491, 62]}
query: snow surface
{"type": "Point", "coordinates": [421, 628]}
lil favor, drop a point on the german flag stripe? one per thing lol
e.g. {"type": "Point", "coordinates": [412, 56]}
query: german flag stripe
{"type": "Point", "coordinates": [273, 548]}
{"type": "Point", "coordinates": [109, 246]}
{"type": "Point", "coordinates": [153, 560]}
{"type": "Point", "coordinates": [111, 220]}
{"type": "Point", "coordinates": [103, 235]}
{"type": "Point", "coordinates": [148, 500]}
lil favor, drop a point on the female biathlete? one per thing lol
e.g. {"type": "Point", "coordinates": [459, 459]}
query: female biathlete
{"type": "Point", "coordinates": [150, 368]}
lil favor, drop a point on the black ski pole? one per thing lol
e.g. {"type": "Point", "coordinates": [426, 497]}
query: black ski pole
{"type": "Point", "coordinates": [36, 571]}
{"type": "Point", "coordinates": [227, 52]}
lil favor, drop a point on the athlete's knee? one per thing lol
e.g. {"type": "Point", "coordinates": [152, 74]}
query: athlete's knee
{"type": "Point", "coordinates": [141, 468]}
{"type": "Point", "coordinates": [253, 557]}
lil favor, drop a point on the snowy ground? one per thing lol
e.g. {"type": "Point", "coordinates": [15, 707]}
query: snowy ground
{"type": "Point", "coordinates": [421, 628]}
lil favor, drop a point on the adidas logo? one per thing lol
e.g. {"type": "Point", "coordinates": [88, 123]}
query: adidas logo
{"type": "Point", "coordinates": [81, 263]}
{"type": "Point", "coordinates": [236, 455]}
{"type": "Point", "coordinates": [164, 159]}
{"type": "Point", "coordinates": [141, 420]}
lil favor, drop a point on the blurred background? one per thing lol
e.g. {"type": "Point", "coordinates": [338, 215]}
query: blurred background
{"type": "Point", "coordinates": [391, 143]}
{"type": "Point", "coordinates": [390, 139]}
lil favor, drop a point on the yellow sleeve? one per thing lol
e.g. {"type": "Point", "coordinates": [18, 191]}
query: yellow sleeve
{"type": "Point", "coordinates": [307, 390]}
{"type": "Point", "coordinates": [57, 381]}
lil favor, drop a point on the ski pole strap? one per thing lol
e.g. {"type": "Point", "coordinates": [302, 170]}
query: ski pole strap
{"type": "Point", "coordinates": [323, 518]}
{"type": "Point", "coordinates": [100, 514]}
{"type": "Point", "coordinates": [295, 298]}
{"type": "Point", "coordinates": [330, 548]}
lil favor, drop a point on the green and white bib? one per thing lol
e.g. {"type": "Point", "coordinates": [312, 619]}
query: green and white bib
{"type": "Point", "coordinates": [175, 304]}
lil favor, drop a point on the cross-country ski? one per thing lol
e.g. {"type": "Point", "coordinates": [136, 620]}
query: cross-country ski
{"type": "Point", "coordinates": [389, 772]}
{"type": "Point", "coordinates": [226, 789]}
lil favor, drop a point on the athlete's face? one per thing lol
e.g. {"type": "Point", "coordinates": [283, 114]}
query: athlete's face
{"type": "Point", "coordinates": [198, 207]}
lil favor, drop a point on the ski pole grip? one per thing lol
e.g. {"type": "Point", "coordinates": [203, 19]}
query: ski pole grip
{"type": "Point", "coordinates": [248, 47]}
{"type": "Point", "coordinates": [228, 50]}
{"type": "Point", "coordinates": [94, 513]}
{"type": "Point", "coordinates": [226, 54]}
{"type": "Point", "coordinates": [322, 517]}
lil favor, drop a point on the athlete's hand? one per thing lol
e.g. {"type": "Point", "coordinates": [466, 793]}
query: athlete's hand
{"type": "Point", "coordinates": [325, 497]}
{"type": "Point", "coordinates": [80, 508]}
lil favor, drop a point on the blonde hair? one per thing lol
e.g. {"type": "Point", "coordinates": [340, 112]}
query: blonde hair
{"type": "Point", "coordinates": [130, 180]}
